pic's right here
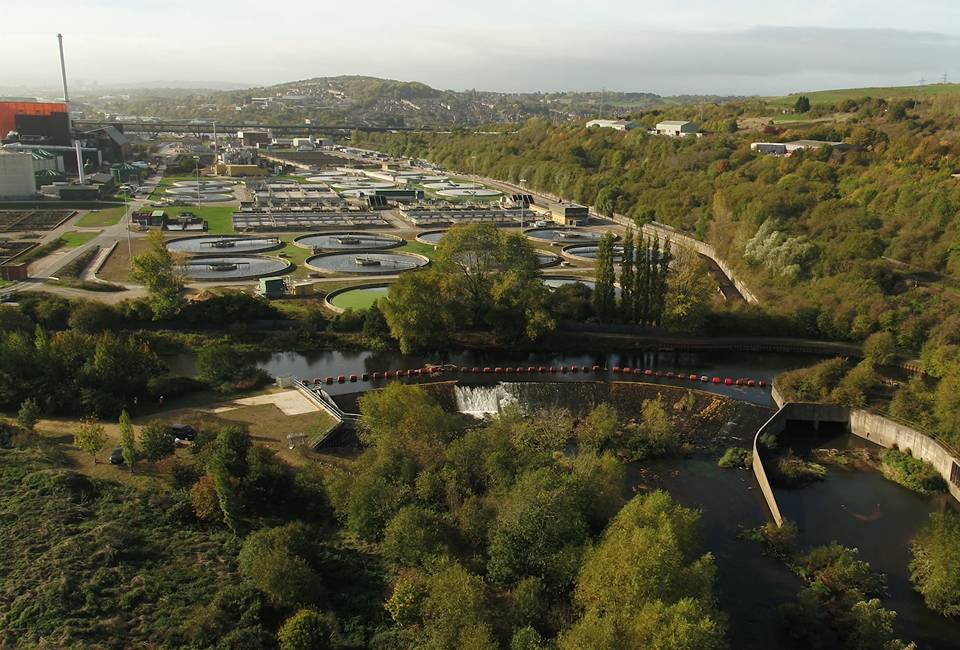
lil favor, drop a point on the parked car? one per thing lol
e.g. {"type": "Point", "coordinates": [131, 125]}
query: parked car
{"type": "Point", "coordinates": [116, 456]}
{"type": "Point", "coordinates": [540, 223]}
{"type": "Point", "coordinates": [183, 432]}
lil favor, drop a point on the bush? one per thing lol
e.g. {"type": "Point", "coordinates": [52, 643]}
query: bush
{"type": "Point", "coordinates": [169, 387]}
{"type": "Point", "coordinates": [935, 568]}
{"type": "Point", "coordinates": [736, 458]}
{"type": "Point", "coordinates": [155, 441]}
{"type": "Point", "coordinates": [793, 471]}
{"type": "Point", "coordinates": [307, 630]}
{"type": "Point", "coordinates": [913, 473]}
{"type": "Point", "coordinates": [813, 384]}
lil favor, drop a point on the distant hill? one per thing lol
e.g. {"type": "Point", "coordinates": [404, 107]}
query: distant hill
{"type": "Point", "coordinates": [890, 92]}
{"type": "Point", "coordinates": [376, 102]}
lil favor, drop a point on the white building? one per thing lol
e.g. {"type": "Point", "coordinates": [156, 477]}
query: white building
{"type": "Point", "coordinates": [775, 148]}
{"type": "Point", "coordinates": [677, 128]}
{"type": "Point", "coordinates": [619, 125]}
{"type": "Point", "coordinates": [16, 176]}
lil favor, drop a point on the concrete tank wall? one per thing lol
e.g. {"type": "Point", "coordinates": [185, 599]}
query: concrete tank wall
{"type": "Point", "coordinates": [888, 433]}
{"type": "Point", "coordinates": [869, 426]}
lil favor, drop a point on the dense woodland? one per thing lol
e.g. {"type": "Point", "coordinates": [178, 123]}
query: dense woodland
{"type": "Point", "coordinates": [844, 243]}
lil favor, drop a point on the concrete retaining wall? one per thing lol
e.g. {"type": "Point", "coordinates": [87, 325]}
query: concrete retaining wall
{"type": "Point", "coordinates": [679, 239]}
{"type": "Point", "coordinates": [815, 413]}
{"type": "Point", "coordinates": [869, 426]}
{"type": "Point", "coordinates": [888, 433]}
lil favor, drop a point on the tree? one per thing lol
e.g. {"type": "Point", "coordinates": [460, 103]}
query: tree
{"type": "Point", "coordinates": [90, 437]}
{"type": "Point", "coordinates": [935, 567]}
{"type": "Point", "coordinates": [128, 440]}
{"type": "Point", "coordinates": [413, 537]}
{"type": "Point", "coordinates": [626, 278]}
{"type": "Point", "coordinates": [417, 312]}
{"type": "Point", "coordinates": [278, 562]}
{"type": "Point", "coordinates": [597, 427]}
{"type": "Point", "coordinates": [307, 630]}
{"type": "Point", "coordinates": [159, 272]}
{"type": "Point", "coordinates": [604, 294]}
{"type": "Point", "coordinates": [204, 499]}
{"type": "Point", "coordinates": [802, 105]}
{"type": "Point", "coordinates": [28, 415]}
{"type": "Point", "coordinates": [223, 363]}
{"type": "Point", "coordinates": [645, 585]}
{"type": "Point", "coordinates": [880, 348]}
{"type": "Point", "coordinates": [156, 441]}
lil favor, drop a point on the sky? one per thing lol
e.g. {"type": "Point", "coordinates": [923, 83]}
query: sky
{"type": "Point", "coordinates": [725, 47]}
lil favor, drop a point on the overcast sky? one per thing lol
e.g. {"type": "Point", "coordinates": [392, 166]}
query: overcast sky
{"type": "Point", "coordinates": [681, 46]}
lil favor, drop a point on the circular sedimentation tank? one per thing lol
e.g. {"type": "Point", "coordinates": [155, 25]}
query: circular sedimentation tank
{"type": "Point", "coordinates": [563, 235]}
{"type": "Point", "coordinates": [431, 237]}
{"type": "Point", "coordinates": [450, 185]}
{"type": "Point", "coordinates": [233, 267]}
{"type": "Point", "coordinates": [589, 252]}
{"type": "Point", "coordinates": [361, 297]}
{"type": "Point", "coordinates": [546, 259]}
{"type": "Point", "coordinates": [559, 281]}
{"type": "Point", "coordinates": [205, 186]}
{"type": "Point", "coordinates": [362, 185]}
{"type": "Point", "coordinates": [348, 241]}
{"type": "Point", "coordinates": [211, 244]}
{"type": "Point", "coordinates": [361, 262]}
{"type": "Point", "coordinates": [459, 193]}
{"type": "Point", "coordinates": [202, 197]}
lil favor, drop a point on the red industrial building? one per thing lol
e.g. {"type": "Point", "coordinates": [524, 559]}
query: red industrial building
{"type": "Point", "coordinates": [10, 110]}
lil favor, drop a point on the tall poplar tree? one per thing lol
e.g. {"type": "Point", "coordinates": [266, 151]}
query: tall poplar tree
{"type": "Point", "coordinates": [604, 295]}
{"type": "Point", "coordinates": [626, 278]}
{"type": "Point", "coordinates": [641, 270]}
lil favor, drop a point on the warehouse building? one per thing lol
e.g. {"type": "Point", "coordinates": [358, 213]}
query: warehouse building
{"type": "Point", "coordinates": [619, 125]}
{"type": "Point", "coordinates": [677, 128]}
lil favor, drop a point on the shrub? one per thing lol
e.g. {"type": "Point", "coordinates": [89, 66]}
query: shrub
{"type": "Point", "coordinates": [813, 384]}
{"type": "Point", "coordinates": [935, 568]}
{"type": "Point", "coordinates": [307, 630]}
{"type": "Point", "coordinates": [156, 441]}
{"type": "Point", "coordinates": [793, 471]}
{"type": "Point", "coordinates": [736, 458]}
{"type": "Point", "coordinates": [913, 473]}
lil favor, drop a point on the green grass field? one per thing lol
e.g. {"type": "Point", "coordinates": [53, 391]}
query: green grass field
{"type": "Point", "coordinates": [838, 95]}
{"type": "Point", "coordinates": [101, 218]}
{"type": "Point", "coordinates": [73, 238]}
{"type": "Point", "coordinates": [419, 248]}
{"type": "Point", "coordinates": [218, 218]}
{"type": "Point", "coordinates": [359, 299]}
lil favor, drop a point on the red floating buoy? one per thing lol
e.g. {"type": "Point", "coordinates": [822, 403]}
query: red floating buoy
{"type": "Point", "coordinates": [542, 369]}
{"type": "Point", "coordinates": [716, 380]}
{"type": "Point", "coordinates": [648, 372]}
{"type": "Point", "coordinates": [751, 383]}
{"type": "Point", "coordinates": [487, 370]}
{"type": "Point", "coordinates": [739, 382]}
{"type": "Point", "coordinates": [553, 368]}
{"type": "Point", "coordinates": [376, 376]}
{"type": "Point", "coordinates": [728, 382]}
{"type": "Point", "coordinates": [341, 379]}
{"type": "Point", "coordinates": [692, 378]}
{"type": "Point", "coordinates": [328, 380]}
{"type": "Point", "coordinates": [596, 368]}
{"type": "Point", "coordinates": [563, 369]}
{"type": "Point", "coordinates": [627, 371]}
{"type": "Point", "coordinates": [353, 378]}
{"type": "Point", "coordinates": [670, 374]}
{"type": "Point", "coordinates": [498, 370]}
{"type": "Point", "coordinates": [531, 369]}
{"type": "Point", "coordinates": [762, 383]}
{"type": "Point", "coordinates": [476, 370]}
{"type": "Point", "coordinates": [616, 369]}
{"type": "Point", "coordinates": [508, 370]}
{"type": "Point", "coordinates": [364, 376]}
{"type": "Point", "coordinates": [574, 369]}
{"type": "Point", "coordinates": [658, 373]}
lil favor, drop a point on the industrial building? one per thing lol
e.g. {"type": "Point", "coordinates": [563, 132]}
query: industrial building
{"type": "Point", "coordinates": [619, 125]}
{"type": "Point", "coordinates": [15, 115]}
{"type": "Point", "coordinates": [16, 176]}
{"type": "Point", "coordinates": [787, 148]}
{"type": "Point", "coordinates": [264, 219]}
{"type": "Point", "coordinates": [570, 214]}
{"type": "Point", "coordinates": [677, 128]}
{"type": "Point", "coordinates": [439, 214]}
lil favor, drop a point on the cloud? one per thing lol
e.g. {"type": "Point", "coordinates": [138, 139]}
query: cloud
{"type": "Point", "coordinates": [477, 53]}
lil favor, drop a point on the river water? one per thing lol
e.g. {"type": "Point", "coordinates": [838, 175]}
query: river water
{"type": "Point", "coordinates": [735, 365]}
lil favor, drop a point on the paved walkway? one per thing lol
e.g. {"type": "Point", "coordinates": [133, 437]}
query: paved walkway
{"type": "Point", "coordinates": [290, 402]}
